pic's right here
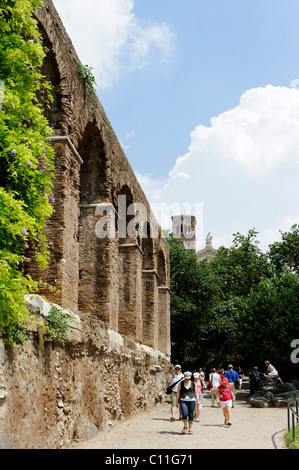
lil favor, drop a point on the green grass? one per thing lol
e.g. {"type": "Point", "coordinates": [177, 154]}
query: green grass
{"type": "Point", "coordinates": [289, 438]}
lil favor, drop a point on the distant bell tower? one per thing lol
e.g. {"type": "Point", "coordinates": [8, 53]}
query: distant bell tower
{"type": "Point", "coordinates": [184, 227]}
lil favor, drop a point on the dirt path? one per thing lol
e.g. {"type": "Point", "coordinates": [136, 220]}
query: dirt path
{"type": "Point", "coordinates": [252, 428]}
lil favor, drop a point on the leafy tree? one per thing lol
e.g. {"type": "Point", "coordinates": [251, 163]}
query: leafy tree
{"type": "Point", "coordinates": [26, 159]}
{"type": "Point", "coordinates": [241, 266]}
{"type": "Point", "coordinates": [237, 306]}
{"type": "Point", "coordinates": [286, 252]}
{"type": "Point", "coordinates": [232, 274]}
{"type": "Point", "coordinates": [271, 321]}
{"type": "Point", "coordinates": [185, 287]}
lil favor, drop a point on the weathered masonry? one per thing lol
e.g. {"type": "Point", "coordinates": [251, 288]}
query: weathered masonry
{"type": "Point", "coordinates": [123, 281]}
{"type": "Point", "coordinates": [116, 287]}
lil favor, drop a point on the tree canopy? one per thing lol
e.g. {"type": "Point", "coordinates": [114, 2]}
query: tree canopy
{"type": "Point", "coordinates": [242, 306]}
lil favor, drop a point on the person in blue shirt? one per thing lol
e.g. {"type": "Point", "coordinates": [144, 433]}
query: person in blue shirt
{"type": "Point", "coordinates": [232, 376]}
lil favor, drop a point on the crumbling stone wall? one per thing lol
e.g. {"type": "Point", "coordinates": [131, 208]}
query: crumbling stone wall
{"type": "Point", "coordinates": [116, 360]}
{"type": "Point", "coordinates": [52, 396]}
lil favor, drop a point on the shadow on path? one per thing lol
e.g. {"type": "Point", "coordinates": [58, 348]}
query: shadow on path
{"type": "Point", "coordinates": [252, 428]}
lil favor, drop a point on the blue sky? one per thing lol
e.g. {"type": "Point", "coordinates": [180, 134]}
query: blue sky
{"type": "Point", "coordinates": [202, 97]}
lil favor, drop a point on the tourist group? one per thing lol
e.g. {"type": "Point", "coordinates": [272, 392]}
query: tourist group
{"type": "Point", "coordinates": [186, 395]}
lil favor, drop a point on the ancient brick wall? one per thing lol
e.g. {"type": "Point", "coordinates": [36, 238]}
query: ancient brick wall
{"type": "Point", "coordinates": [95, 275]}
{"type": "Point", "coordinates": [116, 287]}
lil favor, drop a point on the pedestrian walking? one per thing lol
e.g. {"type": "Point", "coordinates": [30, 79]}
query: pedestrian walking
{"type": "Point", "coordinates": [233, 379]}
{"type": "Point", "coordinates": [176, 377]}
{"type": "Point", "coordinates": [214, 380]}
{"type": "Point", "coordinates": [226, 398]}
{"type": "Point", "coordinates": [187, 396]}
{"type": "Point", "coordinates": [240, 373]}
{"type": "Point", "coordinates": [202, 377]}
{"type": "Point", "coordinates": [254, 380]}
{"type": "Point", "coordinates": [198, 407]}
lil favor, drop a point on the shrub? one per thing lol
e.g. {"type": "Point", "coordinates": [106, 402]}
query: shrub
{"type": "Point", "coordinates": [57, 322]}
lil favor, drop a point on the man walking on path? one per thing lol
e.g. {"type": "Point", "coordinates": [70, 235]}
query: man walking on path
{"type": "Point", "coordinates": [232, 376]}
{"type": "Point", "coordinates": [254, 380]}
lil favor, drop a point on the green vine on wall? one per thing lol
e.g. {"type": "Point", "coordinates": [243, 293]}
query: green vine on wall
{"type": "Point", "coordinates": [89, 78]}
{"type": "Point", "coordinates": [26, 162]}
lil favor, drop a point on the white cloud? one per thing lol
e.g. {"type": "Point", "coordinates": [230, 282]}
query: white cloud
{"type": "Point", "coordinates": [267, 236]}
{"type": "Point", "coordinates": [243, 167]}
{"type": "Point", "coordinates": [259, 134]}
{"type": "Point", "coordinates": [272, 234]}
{"type": "Point", "coordinates": [110, 38]}
{"type": "Point", "coordinates": [129, 135]}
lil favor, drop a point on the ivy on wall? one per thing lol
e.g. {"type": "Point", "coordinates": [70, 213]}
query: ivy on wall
{"type": "Point", "coordinates": [86, 72]}
{"type": "Point", "coordinates": [26, 161]}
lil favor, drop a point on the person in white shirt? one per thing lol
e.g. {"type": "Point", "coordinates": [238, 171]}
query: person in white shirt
{"type": "Point", "coordinates": [271, 369]}
{"type": "Point", "coordinates": [172, 379]}
{"type": "Point", "coordinates": [215, 380]}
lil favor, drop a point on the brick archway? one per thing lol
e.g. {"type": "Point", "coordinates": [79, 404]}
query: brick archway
{"type": "Point", "coordinates": [163, 302]}
{"type": "Point", "coordinates": [94, 255]}
{"type": "Point", "coordinates": [130, 270]}
{"type": "Point", "coordinates": [115, 278]}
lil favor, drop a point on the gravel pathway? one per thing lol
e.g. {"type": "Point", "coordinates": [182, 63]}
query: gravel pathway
{"type": "Point", "coordinates": [252, 428]}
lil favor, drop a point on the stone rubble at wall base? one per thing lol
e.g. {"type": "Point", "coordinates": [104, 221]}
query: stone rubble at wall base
{"type": "Point", "coordinates": [272, 393]}
{"type": "Point", "coordinates": [69, 392]}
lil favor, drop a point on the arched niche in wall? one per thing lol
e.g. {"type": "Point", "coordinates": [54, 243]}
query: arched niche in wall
{"type": "Point", "coordinates": [164, 304]}
{"type": "Point", "coordinates": [60, 227]}
{"type": "Point", "coordinates": [94, 259]}
{"type": "Point", "coordinates": [150, 320]}
{"type": "Point", "coordinates": [93, 176]}
{"type": "Point", "coordinates": [148, 248]}
{"type": "Point", "coordinates": [161, 269]}
{"type": "Point", "coordinates": [130, 268]}
{"type": "Point", "coordinates": [124, 203]}
{"type": "Point", "coordinates": [53, 111]}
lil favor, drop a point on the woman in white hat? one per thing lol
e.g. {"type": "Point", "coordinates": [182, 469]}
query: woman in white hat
{"type": "Point", "coordinates": [187, 394]}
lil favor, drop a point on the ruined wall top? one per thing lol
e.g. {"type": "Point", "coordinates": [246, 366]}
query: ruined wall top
{"type": "Point", "coordinates": [76, 111]}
